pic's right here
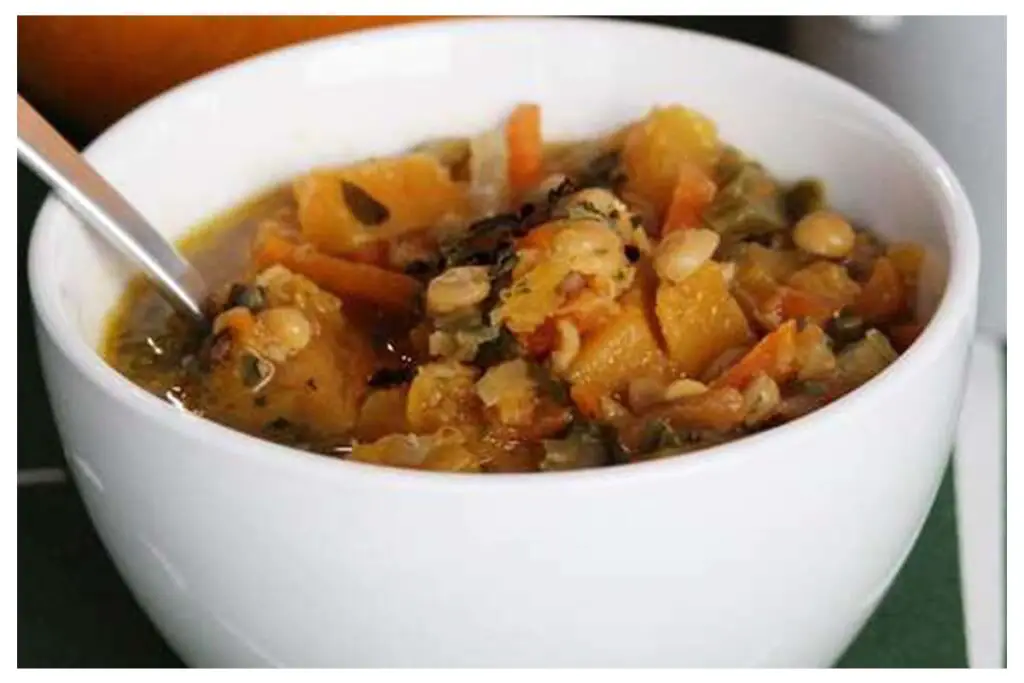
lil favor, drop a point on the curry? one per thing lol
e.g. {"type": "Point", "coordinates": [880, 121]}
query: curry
{"type": "Point", "coordinates": [501, 303]}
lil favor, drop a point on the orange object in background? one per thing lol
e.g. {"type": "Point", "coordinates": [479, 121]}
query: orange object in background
{"type": "Point", "coordinates": [87, 72]}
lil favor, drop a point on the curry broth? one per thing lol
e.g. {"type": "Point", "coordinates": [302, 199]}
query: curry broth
{"type": "Point", "coordinates": [647, 293]}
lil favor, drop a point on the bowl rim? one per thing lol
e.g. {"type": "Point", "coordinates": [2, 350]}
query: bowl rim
{"type": "Point", "coordinates": [956, 303]}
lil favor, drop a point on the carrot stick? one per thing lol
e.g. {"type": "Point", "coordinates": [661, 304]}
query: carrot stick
{"type": "Point", "coordinates": [773, 355]}
{"type": "Point", "coordinates": [338, 276]}
{"type": "Point", "coordinates": [525, 148]}
{"type": "Point", "coordinates": [693, 192]}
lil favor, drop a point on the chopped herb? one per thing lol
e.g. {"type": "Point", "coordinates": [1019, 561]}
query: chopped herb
{"type": "Point", "coordinates": [806, 196]}
{"type": "Point", "coordinates": [548, 384]}
{"type": "Point", "coordinates": [418, 268]}
{"type": "Point", "coordinates": [363, 206]}
{"type": "Point", "coordinates": [253, 369]}
{"type": "Point", "coordinates": [498, 350]}
{"type": "Point", "coordinates": [658, 435]}
{"type": "Point", "coordinates": [253, 297]}
{"type": "Point", "coordinates": [845, 328]}
{"type": "Point", "coordinates": [602, 171]}
{"type": "Point", "coordinates": [814, 388]}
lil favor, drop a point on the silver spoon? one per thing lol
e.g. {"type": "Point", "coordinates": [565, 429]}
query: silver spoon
{"type": "Point", "coordinates": [96, 202]}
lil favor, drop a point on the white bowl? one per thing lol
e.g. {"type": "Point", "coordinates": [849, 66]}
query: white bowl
{"type": "Point", "coordinates": [771, 551]}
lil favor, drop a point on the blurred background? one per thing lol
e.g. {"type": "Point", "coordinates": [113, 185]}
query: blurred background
{"type": "Point", "coordinates": [946, 75]}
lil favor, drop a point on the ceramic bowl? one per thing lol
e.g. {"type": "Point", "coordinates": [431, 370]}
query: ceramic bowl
{"type": "Point", "coordinates": [770, 551]}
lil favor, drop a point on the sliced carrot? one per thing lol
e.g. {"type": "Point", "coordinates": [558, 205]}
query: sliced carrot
{"type": "Point", "coordinates": [904, 335]}
{"type": "Point", "coordinates": [883, 295]}
{"type": "Point", "coordinates": [796, 303]}
{"type": "Point", "coordinates": [340, 277]}
{"type": "Point", "coordinates": [525, 148]}
{"type": "Point", "coordinates": [774, 355]}
{"type": "Point", "coordinates": [375, 253]}
{"type": "Point", "coordinates": [693, 192]}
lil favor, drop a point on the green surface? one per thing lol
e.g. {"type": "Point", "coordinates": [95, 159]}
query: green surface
{"type": "Point", "coordinates": [73, 610]}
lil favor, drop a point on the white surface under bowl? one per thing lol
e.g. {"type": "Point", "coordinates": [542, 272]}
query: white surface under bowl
{"type": "Point", "coordinates": [766, 552]}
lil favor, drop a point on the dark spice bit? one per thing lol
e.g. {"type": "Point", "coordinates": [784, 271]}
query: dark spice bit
{"type": "Point", "coordinates": [845, 328]}
{"type": "Point", "coordinates": [363, 206]}
{"type": "Point", "coordinates": [220, 346]}
{"type": "Point", "coordinates": [632, 253]}
{"type": "Point", "coordinates": [278, 424]}
{"type": "Point", "coordinates": [390, 377]}
{"type": "Point", "coordinates": [502, 348]}
{"type": "Point", "coordinates": [636, 220]}
{"type": "Point", "coordinates": [311, 384]}
{"type": "Point", "coordinates": [564, 189]}
{"type": "Point", "coordinates": [418, 268]}
{"type": "Point", "coordinates": [253, 297]}
{"type": "Point", "coordinates": [260, 401]}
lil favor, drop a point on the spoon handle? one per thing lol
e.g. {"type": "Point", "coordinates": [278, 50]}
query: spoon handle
{"type": "Point", "coordinates": [102, 207]}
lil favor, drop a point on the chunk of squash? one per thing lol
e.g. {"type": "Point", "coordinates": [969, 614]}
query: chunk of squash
{"type": "Point", "coordinates": [659, 146]}
{"type": "Point", "coordinates": [699, 319]}
{"type": "Point", "coordinates": [883, 295]}
{"type": "Point", "coordinates": [382, 413]}
{"type": "Point", "coordinates": [532, 298]}
{"type": "Point", "coordinates": [345, 209]}
{"type": "Point", "coordinates": [827, 281]}
{"type": "Point", "coordinates": [443, 395]}
{"type": "Point", "coordinates": [814, 358]}
{"type": "Point", "coordinates": [625, 348]}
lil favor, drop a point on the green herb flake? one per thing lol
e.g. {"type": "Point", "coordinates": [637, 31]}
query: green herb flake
{"type": "Point", "coordinates": [253, 369]}
{"type": "Point", "coordinates": [363, 206]}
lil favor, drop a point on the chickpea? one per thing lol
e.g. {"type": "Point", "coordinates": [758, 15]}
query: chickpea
{"type": "Point", "coordinates": [458, 288]}
{"type": "Point", "coordinates": [598, 199]}
{"type": "Point", "coordinates": [824, 233]}
{"type": "Point", "coordinates": [590, 248]}
{"type": "Point", "coordinates": [600, 203]}
{"type": "Point", "coordinates": [760, 399]}
{"type": "Point", "coordinates": [682, 252]}
{"type": "Point", "coordinates": [567, 346]}
{"type": "Point", "coordinates": [288, 331]}
{"type": "Point", "coordinates": [684, 388]}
